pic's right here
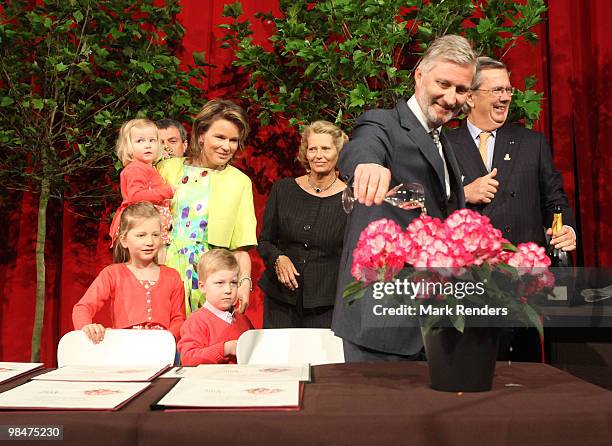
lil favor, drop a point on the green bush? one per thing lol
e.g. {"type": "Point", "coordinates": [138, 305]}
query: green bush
{"type": "Point", "coordinates": [332, 59]}
{"type": "Point", "coordinates": [70, 73]}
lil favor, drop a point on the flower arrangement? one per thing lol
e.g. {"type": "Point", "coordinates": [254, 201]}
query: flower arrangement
{"type": "Point", "coordinates": [465, 248]}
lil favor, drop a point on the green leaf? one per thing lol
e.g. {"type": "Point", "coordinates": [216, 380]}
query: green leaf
{"type": "Point", "coordinates": [310, 69]}
{"type": "Point", "coordinates": [199, 58]}
{"type": "Point", "coordinates": [78, 16]}
{"type": "Point", "coordinates": [146, 66]}
{"type": "Point", "coordinates": [425, 31]}
{"type": "Point", "coordinates": [115, 32]}
{"type": "Point", "coordinates": [277, 107]}
{"type": "Point", "coordinates": [232, 10]}
{"type": "Point", "coordinates": [85, 67]}
{"type": "Point", "coordinates": [6, 101]}
{"type": "Point", "coordinates": [61, 67]}
{"type": "Point", "coordinates": [359, 95]}
{"type": "Point", "coordinates": [338, 117]}
{"type": "Point", "coordinates": [38, 104]}
{"type": "Point", "coordinates": [509, 269]}
{"type": "Point", "coordinates": [264, 117]}
{"type": "Point", "coordinates": [458, 321]}
{"type": "Point", "coordinates": [103, 118]}
{"type": "Point", "coordinates": [181, 99]}
{"type": "Point", "coordinates": [509, 247]}
{"type": "Point", "coordinates": [143, 88]}
{"type": "Point", "coordinates": [352, 289]}
{"type": "Point", "coordinates": [534, 318]}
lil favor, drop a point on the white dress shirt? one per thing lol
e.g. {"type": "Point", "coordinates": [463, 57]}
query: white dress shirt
{"type": "Point", "coordinates": [223, 315]}
{"type": "Point", "coordinates": [415, 108]}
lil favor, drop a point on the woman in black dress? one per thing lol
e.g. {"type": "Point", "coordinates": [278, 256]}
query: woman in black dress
{"type": "Point", "coordinates": [301, 238]}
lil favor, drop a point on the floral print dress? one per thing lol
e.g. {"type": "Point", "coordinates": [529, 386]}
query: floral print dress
{"type": "Point", "coordinates": [190, 230]}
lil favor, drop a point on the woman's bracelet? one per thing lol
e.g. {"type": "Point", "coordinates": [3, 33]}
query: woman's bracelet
{"type": "Point", "coordinates": [250, 282]}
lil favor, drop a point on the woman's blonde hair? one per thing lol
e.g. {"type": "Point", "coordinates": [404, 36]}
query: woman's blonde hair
{"type": "Point", "coordinates": [124, 147]}
{"type": "Point", "coordinates": [130, 217]}
{"type": "Point", "coordinates": [211, 112]}
{"type": "Point", "coordinates": [218, 259]}
{"type": "Point", "coordinates": [339, 138]}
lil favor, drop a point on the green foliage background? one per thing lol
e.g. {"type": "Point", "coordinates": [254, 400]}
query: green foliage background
{"type": "Point", "coordinates": [70, 73]}
{"type": "Point", "coordinates": [332, 59]}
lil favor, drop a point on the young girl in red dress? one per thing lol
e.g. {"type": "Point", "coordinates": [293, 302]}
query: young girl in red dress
{"type": "Point", "coordinates": [142, 293]}
{"type": "Point", "coordinates": [138, 148]}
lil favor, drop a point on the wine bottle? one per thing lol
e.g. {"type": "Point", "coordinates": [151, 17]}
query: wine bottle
{"type": "Point", "coordinates": [560, 263]}
{"type": "Point", "coordinates": [558, 257]}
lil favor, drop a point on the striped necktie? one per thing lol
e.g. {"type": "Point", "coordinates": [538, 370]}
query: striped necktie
{"type": "Point", "coordinates": [435, 135]}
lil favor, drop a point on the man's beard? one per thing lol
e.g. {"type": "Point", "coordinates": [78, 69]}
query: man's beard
{"type": "Point", "coordinates": [437, 121]}
{"type": "Point", "coordinates": [433, 119]}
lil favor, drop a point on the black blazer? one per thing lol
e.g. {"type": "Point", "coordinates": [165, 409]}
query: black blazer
{"type": "Point", "coordinates": [529, 185]}
{"type": "Point", "coordinates": [309, 230]}
{"type": "Point", "coordinates": [397, 140]}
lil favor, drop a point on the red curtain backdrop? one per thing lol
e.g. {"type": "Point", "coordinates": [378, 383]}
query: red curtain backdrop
{"type": "Point", "coordinates": [572, 62]}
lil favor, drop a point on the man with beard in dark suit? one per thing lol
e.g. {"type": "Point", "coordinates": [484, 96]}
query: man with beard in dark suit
{"type": "Point", "coordinates": [508, 174]}
{"type": "Point", "coordinates": [389, 147]}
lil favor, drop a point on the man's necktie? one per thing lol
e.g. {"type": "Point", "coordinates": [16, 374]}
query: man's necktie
{"type": "Point", "coordinates": [482, 147]}
{"type": "Point", "coordinates": [435, 135]}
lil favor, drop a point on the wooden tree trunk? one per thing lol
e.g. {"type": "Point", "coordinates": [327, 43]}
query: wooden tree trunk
{"type": "Point", "coordinates": [41, 237]}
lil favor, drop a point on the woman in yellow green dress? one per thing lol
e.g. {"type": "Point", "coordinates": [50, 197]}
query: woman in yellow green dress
{"type": "Point", "coordinates": [213, 202]}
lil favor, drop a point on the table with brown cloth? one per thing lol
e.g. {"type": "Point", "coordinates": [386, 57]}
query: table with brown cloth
{"type": "Point", "coordinates": [375, 403]}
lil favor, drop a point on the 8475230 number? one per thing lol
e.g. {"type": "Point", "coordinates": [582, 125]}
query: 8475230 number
{"type": "Point", "coordinates": [32, 432]}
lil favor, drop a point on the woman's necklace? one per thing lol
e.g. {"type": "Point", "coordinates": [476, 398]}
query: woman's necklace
{"type": "Point", "coordinates": [318, 190]}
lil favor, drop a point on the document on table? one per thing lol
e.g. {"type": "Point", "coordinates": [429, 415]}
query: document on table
{"type": "Point", "coordinates": [11, 370]}
{"type": "Point", "coordinates": [252, 372]}
{"type": "Point", "coordinates": [192, 393]}
{"type": "Point", "coordinates": [103, 373]}
{"type": "Point", "coordinates": [178, 372]}
{"type": "Point", "coordinates": [42, 395]}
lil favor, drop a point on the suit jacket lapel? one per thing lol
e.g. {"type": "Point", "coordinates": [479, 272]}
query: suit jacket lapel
{"type": "Point", "coordinates": [421, 139]}
{"type": "Point", "coordinates": [505, 155]}
{"type": "Point", "coordinates": [468, 154]}
{"type": "Point", "coordinates": [454, 173]}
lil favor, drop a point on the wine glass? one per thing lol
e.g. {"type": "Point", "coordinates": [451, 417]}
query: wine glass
{"type": "Point", "coordinates": [405, 196]}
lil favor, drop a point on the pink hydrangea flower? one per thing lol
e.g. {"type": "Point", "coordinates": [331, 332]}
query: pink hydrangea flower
{"type": "Point", "coordinates": [443, 251]}
{"type": "Point", "coordinates": [530, 259]}
{"type": "Point", "coordinates": [475, 234]}
{"type": "Point", "coordinates": [465, 238]}
{"type": "Point", "coordinates": [380, 252]}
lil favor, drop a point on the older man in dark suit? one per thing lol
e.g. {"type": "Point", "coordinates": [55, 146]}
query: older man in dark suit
{"type": "Point", "coordinates": [509, 176]}
{"type": "Point", "coordinates": [395, 146]}
{"type": "Point", "coordinates": [508, 170]}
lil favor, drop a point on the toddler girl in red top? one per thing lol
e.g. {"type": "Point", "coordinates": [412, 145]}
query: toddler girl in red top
{"type": "Point", "coordinates": [142, 293]}
{"type": "Point", "coordinates": [138, 148]}
{"type": "Point", "coordinates": [210, 334]}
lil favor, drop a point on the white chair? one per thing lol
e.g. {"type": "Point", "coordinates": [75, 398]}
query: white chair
{"type": "Point", "coordinates": [314, 346]}
{"type": "Point", "coordinates": [119, 347]}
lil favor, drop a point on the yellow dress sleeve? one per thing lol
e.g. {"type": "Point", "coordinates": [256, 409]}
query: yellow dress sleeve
{"type": "Point", "coordinates": [232, 223]}
{"type": "Point", "coordinates": [170, 170]}
{"type": "Point", "coordinates": [246, 223]}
